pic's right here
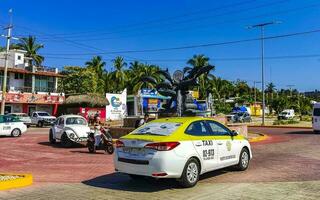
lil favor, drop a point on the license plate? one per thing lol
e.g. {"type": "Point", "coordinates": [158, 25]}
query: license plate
{"type": "Point", "coordinates": [134, 151]}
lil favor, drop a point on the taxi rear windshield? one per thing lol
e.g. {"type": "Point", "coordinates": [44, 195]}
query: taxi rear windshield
{"type": "Point", "coordinates": [316, 112]}
{"type": "Point", "coordinates": [157, 128]}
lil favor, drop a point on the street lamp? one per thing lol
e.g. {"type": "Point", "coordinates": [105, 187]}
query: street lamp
{"type": "Point", "coordinates": [261, 26]}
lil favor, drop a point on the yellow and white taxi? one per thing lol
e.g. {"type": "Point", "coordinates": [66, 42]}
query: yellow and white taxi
{"type": "Point", "coordinates": [181, 148]}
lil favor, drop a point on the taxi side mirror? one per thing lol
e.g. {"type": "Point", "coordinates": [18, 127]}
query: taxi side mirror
{"type": "Point", "coordinates": [234, 133]}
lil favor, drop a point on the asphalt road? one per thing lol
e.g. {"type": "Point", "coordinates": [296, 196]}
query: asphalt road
{"type": "Point", "coordinates": [285, 166]}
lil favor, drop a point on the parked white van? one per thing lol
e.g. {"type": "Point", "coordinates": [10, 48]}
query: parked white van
{"type": "Point", "coordinates": [316, 117]}
{"type": "Point", "coordinates": [286, 114]}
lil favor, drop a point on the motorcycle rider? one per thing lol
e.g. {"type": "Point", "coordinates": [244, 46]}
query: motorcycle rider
{"type": "Point", "coordinates": [97, 134]}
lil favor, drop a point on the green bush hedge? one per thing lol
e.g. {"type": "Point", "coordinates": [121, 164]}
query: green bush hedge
{"type": "Point", "coordinates": [285, 122]}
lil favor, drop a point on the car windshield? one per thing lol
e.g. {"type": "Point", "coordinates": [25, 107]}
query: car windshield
{"type": "Point", "coordinates": [284, 113]}
{"type": "Point", "coordinates": [76, 121]}
{"type": "Point", "coordinates": [43, 114]}
{"type": "Point", "coordinates": [157, 128]}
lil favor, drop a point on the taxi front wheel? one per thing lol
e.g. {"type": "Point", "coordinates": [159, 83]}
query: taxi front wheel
{"type": "Point", "coordinates": [243, 160]}
{"type": "Point", "coordinates": [190, 174]}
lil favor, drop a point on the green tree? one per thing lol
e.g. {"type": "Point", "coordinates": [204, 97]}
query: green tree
{"type": "Point", "coordinates": [31, 46]}
{"type": "Point", "coordinates": [137, 73]}
{"type": "Point", "coordinates": [97, 65]}
{"type": "Point", "coordinates": [200, 61]}
{"type": "Point", "coordinates": [78, 80]}
{"type": "Point", "coordinates": [119, 75]}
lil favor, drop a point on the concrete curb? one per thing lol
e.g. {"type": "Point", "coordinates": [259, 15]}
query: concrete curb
{"type": "Point", "coordinates": [23, 181]}
{"type": "Point", "coordinates": [276, 126]}
{"type": "Point", "coordinates": [260, 138]}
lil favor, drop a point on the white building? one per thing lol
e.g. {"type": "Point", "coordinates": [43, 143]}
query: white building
{"type": "Point", "coordinates": [29, 88]}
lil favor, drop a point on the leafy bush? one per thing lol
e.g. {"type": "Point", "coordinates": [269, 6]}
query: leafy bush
{"type": "Point", "coordinates": [306, 118]}
{"type": "Point", "coordinates": [285, 122]}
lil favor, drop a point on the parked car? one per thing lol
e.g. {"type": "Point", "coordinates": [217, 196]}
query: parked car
{"type": "Point", "coordinates": [286, 114]}
{"type": "Point", "coordinates": [11, 126]}
{"type": "Point", "coordinates": [316, 118]}
{"type": "Point", "coordinates": [243, 117]}
{"type": "Point", "coordinates": [182, 148]}
{"type": "Point", "coordinates": [22, 117]}
{"type": "Point", "coordinates": [239, 117]}
{"type": "Point", "coordinates": [41, 118]}
{"type": "Point", "coordinates": [69, 129]}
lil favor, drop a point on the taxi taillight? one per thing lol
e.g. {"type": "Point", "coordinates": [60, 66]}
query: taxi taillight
{"type": "Point", "coordinates": [162, 146]}
{"type": "Point", "coordinates": [119, 144]}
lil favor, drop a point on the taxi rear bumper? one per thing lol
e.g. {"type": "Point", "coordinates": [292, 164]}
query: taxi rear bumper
{"type": "Point", "coordinates": [167, 164]}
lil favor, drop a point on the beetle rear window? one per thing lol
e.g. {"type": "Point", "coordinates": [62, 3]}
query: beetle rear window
{"type": "Point", "coordinates": [76, 121]}
{"type": "Point", "coordinates": [157, 128]}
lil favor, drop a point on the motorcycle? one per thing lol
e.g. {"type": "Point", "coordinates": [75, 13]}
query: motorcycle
{"type": "Point", "coordinates": [104, 144]}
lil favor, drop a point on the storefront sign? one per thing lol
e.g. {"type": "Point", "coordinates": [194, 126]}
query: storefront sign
{"type": "Point", "coordinates": [117, 109]}
{"type": "Point", "coordinates": [33, 98]}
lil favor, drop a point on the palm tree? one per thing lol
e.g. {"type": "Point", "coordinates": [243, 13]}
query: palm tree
{"type": "Point", "coordinates": [144, 70]}
{"type": "Point", "coordinates": [220, 88]}
{"type": "Point", "coordinates": [97, 65]}
{"type": "Point", "coordinates": [119, 75]}
{"type": "Point", "coordinates": [271, 88]}
{"type": "Point", "coordinates": [198, 62]}
{"type": "Point", "coordinates": [31, 47]}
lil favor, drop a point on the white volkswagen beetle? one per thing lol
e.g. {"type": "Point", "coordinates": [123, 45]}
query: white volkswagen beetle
{"type": "Point", "coordinates": [69, 129]}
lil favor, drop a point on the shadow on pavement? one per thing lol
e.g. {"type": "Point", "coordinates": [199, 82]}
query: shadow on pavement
{"type": "Point", "coordinates": [118, 181]}
{"type": "Point", "coordinates": [302, 133]}
{"type": "Point", "coordinates": [58, 145]}
{"type": "Point", "coordinates": [87, 152]}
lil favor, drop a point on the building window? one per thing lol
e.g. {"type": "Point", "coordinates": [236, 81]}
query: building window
{"type": "Point", "coordinates": [44, 84]}
{"type": "Point", "coordinates": [19, 57]}
{"type": "Point", "coordinates": [18, 76]}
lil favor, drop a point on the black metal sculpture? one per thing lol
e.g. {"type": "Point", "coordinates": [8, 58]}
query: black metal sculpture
{"type": "Point", "coordinates": [177, 88]}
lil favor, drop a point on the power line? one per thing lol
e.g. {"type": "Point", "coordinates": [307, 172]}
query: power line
{"type": "Point", "coordinates": [161, 19]}
{"type": "Point", "coordinates": [202, 26]}
{"type": "Point", "coordinates": [215, 59]}
{"type": "Point", "coordinates": [196, 46]}
{"type": "Point", "coordinates": [186, 20]}
{"type": "Point", "coordinates": [72, 42]}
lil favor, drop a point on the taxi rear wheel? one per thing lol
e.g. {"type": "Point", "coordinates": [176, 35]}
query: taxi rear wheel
{"type": "Point", "coordinates": [16, 132]}
{"type": "Point", "coordinates": [190, 174]}
{"type": "Point", "coordinates": [243, 160]}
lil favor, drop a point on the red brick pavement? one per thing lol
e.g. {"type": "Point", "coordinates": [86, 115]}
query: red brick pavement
{"type": "Point", "coordinates": [288, 155]}
{"type": "Point", "coordinates": [33, 154]}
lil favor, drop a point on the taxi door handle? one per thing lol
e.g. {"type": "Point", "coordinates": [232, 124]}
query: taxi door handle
{"type": "Point", "coordinates": [198, 144]}
{"type": "Point", "coordinates": [220, 143]}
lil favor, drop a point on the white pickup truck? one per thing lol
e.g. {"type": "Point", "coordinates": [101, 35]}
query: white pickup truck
{"type": "Point", "coordinates": [41, 118]}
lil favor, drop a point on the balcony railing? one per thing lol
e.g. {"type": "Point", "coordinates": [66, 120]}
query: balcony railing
{"type": "Point", "coordinates": [29, 89]}
{"type": "Point", "coordinates": [42, 69]}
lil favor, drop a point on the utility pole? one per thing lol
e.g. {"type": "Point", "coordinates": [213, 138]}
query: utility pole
{"type": "Point", "coordinates": [5, 73]}
{"type": "Point", "coordinates": [261, 26]}
{"type": "Point", "coordinates": [255, 91]}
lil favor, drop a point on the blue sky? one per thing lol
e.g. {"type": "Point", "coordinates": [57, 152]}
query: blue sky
{"type": "Point", "coordinates": [68, 28]}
